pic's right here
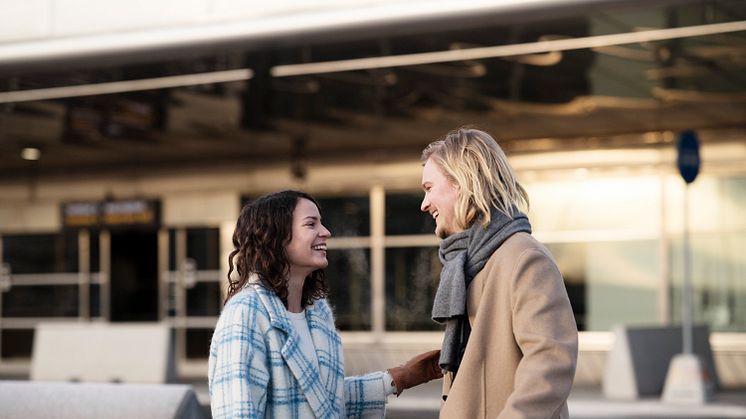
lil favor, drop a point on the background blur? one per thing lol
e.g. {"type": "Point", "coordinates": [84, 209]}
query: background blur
{"type": "Point", "coordinates": [132, 132]}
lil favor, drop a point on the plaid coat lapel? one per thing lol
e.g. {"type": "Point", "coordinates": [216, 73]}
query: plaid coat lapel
{"type": "Point", "coordinates": [322, 389]}
{"type": "Point", "coordinates": [328, 353]}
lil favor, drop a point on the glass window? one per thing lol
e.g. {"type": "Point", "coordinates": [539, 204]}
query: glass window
{"type": "Point", "coordinates": [17, 343]}
{"type": "Point", "coordinates": [41, 253]}
{"type": "Point", "coordinates": [610, 282]}
{"type": "Point", "coordinates": [171, 249]}
{"type": "Point", "coordinates": [41, 301]}
{"type": "Point", "coordinates": [412, 276]}
{"type": "Point", "coordinates": [348, 276]}
{"type": "Point", "coordinates": [95, 300]}
{"type": "Point", "coordinates": [198, 343]}
{"type": "Point", "coordinates": [203, 245]}
{"type": "Point", "coordinates": [346, 216]}
{"type": "Point", "coordinates": [715, 203]}
{"type": "Point", "coordinates": [627, 204]}
{"type": "Point", "coordinates": [95, 249]}
{"type": "Point", "coordinates": [718, 269]}
{"type": "Point", "coordinates": [403, 215]}
{"type": "Point", "coordinates": [204, 299]}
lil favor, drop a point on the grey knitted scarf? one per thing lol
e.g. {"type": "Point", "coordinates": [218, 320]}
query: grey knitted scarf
{"type": "Point", "coordinates": [463, 255]}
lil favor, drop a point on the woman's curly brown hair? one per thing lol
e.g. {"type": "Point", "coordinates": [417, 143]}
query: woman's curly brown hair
{"type": "Point", "coordinates": [263, 230]}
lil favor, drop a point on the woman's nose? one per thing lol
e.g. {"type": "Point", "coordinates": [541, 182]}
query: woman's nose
{"type": "Point", "coordinates": [325, 232]}
{"type": "Point", "coordinates": [425, 204]}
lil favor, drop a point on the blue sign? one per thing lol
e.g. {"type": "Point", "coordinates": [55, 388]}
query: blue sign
{"type": "Point", "coordinates": [688, 156]}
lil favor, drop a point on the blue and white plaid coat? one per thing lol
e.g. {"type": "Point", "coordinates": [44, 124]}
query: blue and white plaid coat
{"type": "Point", "coordinates": [256, 368]}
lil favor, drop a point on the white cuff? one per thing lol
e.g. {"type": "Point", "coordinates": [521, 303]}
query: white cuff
{"type": "Point", "coordinates": [389, 387]}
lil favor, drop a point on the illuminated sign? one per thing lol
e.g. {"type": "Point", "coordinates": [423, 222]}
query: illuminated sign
{"type": "Point", "coordinates": [109, 214]}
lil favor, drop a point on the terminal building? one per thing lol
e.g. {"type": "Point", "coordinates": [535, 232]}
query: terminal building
{"type": "Point", "coordinates": [127, 150]}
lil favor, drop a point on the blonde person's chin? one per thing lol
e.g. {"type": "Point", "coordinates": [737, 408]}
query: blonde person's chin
{"type": "Point", "coordinates": [441, 233]}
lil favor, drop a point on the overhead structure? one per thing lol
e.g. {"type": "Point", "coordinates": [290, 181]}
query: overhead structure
{"type": "Point", "coordinates": [244, 85]}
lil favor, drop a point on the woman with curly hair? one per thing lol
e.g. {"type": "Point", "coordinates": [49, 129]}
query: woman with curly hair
{"type": "Point", "coordinates": [275, 352]}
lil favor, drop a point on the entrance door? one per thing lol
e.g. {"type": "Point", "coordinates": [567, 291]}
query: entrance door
{"type": "Point", "coordinates": [194, 298]}
{"type": "Point", "coordinates": [134, 276]}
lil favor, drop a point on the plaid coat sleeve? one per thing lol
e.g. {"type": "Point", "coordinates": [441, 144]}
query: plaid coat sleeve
{"type": "Point", "coordinates": [238, 371]}
{"type": "Point", "coordinates": [365, 396]}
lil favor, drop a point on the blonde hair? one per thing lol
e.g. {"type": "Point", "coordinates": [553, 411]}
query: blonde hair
{"type": "Point", "coordinates": [474, 161]}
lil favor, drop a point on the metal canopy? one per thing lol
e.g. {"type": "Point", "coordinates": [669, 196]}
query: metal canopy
{"type": "Point", "coordinates": [237, 106]}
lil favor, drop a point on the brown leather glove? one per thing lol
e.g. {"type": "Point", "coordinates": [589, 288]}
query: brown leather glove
{"type": "Point", "coordinates": [420, 369]}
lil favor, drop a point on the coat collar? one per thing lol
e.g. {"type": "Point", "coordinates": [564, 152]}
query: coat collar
{"type": "Point", "coordinates": [322, 389]}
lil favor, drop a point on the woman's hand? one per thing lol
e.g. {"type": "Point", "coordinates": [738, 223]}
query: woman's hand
{"type": "Point", "coordinates": [418, 370]}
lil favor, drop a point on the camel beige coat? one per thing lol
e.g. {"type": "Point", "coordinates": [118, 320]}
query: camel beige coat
{"type": "Point", "coordinates": [521, 356]}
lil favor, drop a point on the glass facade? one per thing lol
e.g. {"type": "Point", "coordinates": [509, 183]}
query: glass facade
{"type": "Point", "coordinates": [41, 253]}
{"type": "Point", "coordinates": [193, 287]}
{"type": "Point", "coordinates": [43, 284]}
{"type": "Point", "coordinates": [617, 237]}
{"type": "Point", "coordinates": [618, 242]}
{"type": "Point", "coordinates": [610, 282]}
{"type": "Point", "coordinates": [347, 216]}
{"type": "Point", "coordinates": [717, 236]}
{"type": "Point", "coordinates": [403, 215]}
{"type": "Point", "coordinates": [41, 301]}
{"type": "Point", "coordinates": [412, 275]}
{"type": "Point", "coordinates": [348, 276]}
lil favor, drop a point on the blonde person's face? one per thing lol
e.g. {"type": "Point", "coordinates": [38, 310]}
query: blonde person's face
{"type": "Point", "coordinates": [440, 199]}
{"type": "Point", "coordinates": [306, 251]}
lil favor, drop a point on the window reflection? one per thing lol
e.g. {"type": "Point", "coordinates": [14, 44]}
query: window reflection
{"type": "Point", "coordinates": [348, 276]}
{"type": "Point", "coordinates": [596, 204]}
{"type": "Point", "coordinates": [610, 282]}
{"type": "Point", "coordinates": [403, 215]}
{"type": "Point", "coordinates": [16, 343]}
{"type": "Point", "coordinates": [41, 253]}
{"type": "Point", "coordinates": [346, 216]}
{"type": "Point", "coordinates": [41, 301]}
{"type": "Point", "coordinates": [718, 270]}
{"type": "Point", "coordinates": [204, 299]}
{"type": "Point", "coordinates": [412, 276]}
{"type": "Point", "coordinates": [198, 343]}
{"type": "Point", "coordinates": [203, 245]}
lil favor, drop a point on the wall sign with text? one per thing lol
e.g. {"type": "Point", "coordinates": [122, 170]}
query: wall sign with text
{"type": "Point", "coordinates": [110, 214]}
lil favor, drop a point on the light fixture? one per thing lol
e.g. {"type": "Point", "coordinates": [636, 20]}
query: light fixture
{"type": "Point", "coordinates": [31, 154]}
{"type": "Point", "coordinates": [510, 50]}
{"type": "Point", "coordinates": [126, 86]}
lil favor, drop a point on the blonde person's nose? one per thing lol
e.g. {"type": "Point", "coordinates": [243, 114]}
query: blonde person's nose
{"type": "Point", "coordinates": [424, 205]}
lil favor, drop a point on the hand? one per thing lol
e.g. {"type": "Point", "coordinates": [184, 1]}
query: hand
{"type": "Point", "coordinates": [418, 370]}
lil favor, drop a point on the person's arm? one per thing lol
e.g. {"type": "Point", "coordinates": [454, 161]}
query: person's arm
{"type": "Point", "coordinates": [545, 330]}
{"type": "Point", "coordinates": [365, 395]}
{"type": "Point", "coordinates": [239, 375]}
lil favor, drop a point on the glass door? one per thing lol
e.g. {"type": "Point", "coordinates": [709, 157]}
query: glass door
{"type": "Point", "coordinates": [191, 298]}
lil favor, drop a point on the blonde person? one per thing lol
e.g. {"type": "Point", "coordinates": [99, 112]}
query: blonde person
{"type": "Point", "coordinates": [275, 352]}
{"type": "Point", "coordinates": [510, 346]}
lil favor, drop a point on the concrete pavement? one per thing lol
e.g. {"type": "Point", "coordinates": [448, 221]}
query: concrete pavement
{"type": "Point", "coordinates": [423, 402]}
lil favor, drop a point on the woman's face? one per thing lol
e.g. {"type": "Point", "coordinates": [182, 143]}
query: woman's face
{"type": "Point", "coordinates": [306, 251]}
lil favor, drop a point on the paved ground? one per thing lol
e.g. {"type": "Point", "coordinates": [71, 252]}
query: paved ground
{"type": "Point", "coordinates": [585, 403]}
